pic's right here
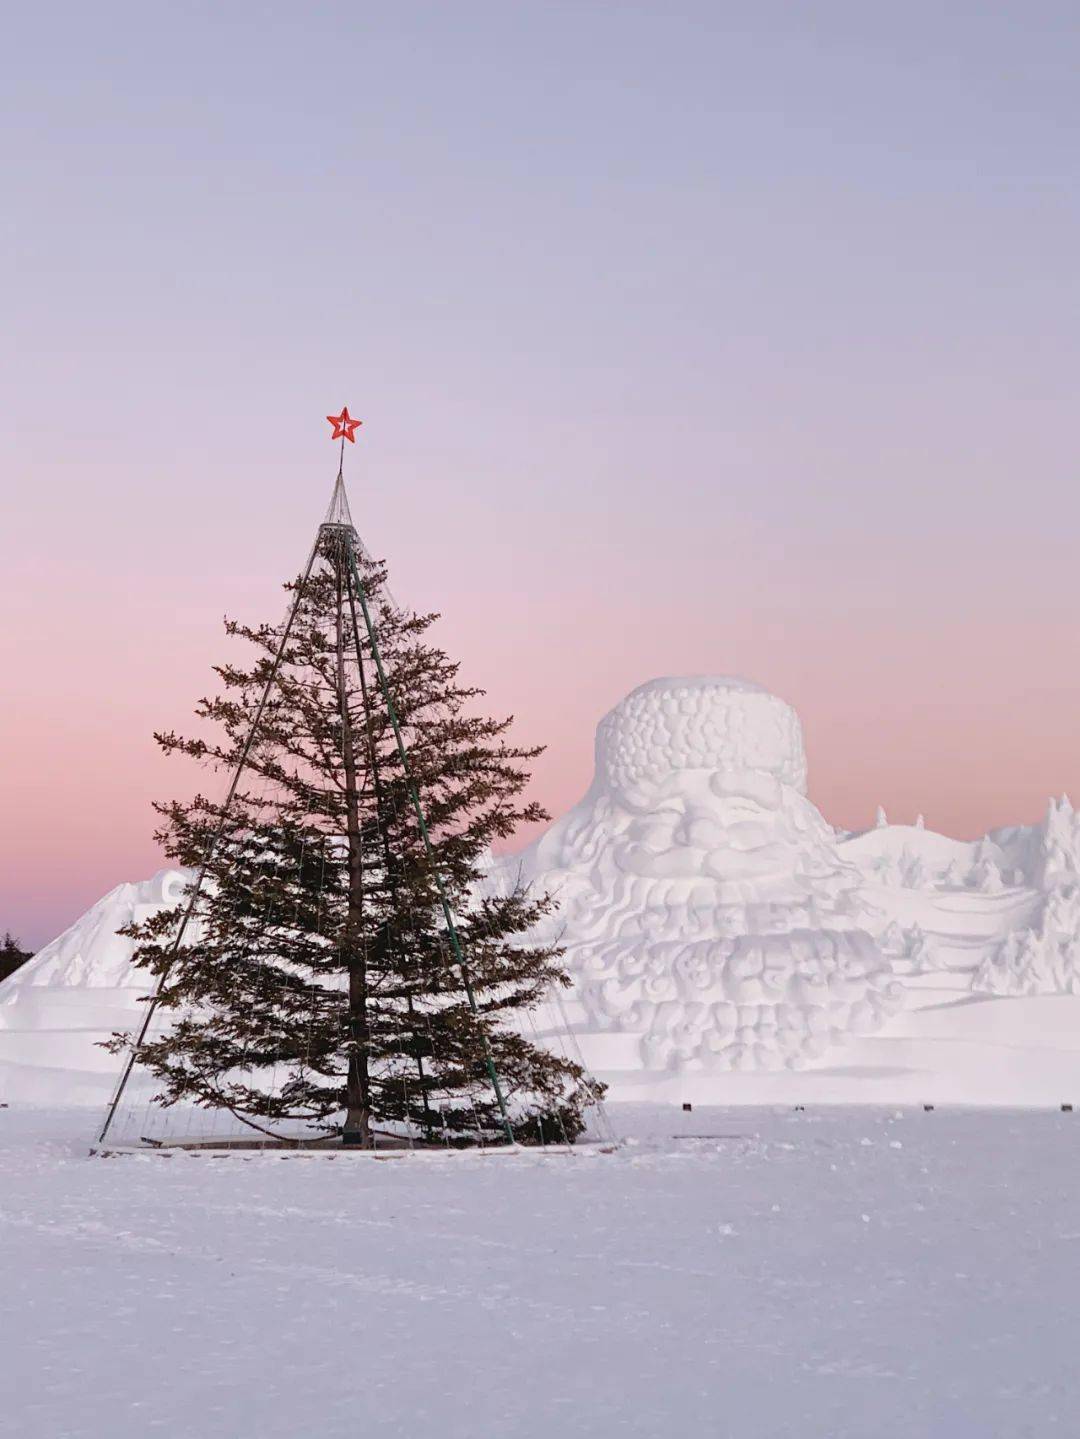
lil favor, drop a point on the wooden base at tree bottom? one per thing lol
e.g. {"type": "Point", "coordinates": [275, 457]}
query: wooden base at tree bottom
{"type": "Point", "coordinates": [333, 1149]}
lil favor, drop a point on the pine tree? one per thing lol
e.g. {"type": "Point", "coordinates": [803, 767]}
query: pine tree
{"type": "Point", "coordinates": [987, 876]}
{"type": "Point", "coordinates": [12, 955]}
{"type": "Point", "coordinates": [917, 950]}
{"type": "Point", "coordinates": [952, 876]}
{"type": "Point", "coordinates": [892, 939]}
{"type": "Point", "coordinates": [342, 968]}
{"type": "Point", "coordinates": [912, 870]}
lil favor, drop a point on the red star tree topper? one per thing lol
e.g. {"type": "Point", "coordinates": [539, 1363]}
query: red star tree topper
{"type": "Point", "coordinates": [345, 427]}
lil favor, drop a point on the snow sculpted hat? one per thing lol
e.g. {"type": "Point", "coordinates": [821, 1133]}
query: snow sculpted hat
{"type": "Point", "coordinates": [705, 723]}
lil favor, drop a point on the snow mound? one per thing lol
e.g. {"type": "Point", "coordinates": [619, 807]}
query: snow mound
{"type": "Point", "coordinates": [91, 953]}
{"type": "Point", "coordinates": [78, 990]}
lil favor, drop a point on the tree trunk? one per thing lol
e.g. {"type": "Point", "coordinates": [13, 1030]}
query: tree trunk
{"type": "Point", "coordinates": [390, 871]}
{"type": "Point", "coordinates": [357, 1129]}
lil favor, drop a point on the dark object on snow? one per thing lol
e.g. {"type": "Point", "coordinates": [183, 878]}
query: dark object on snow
{"type": "Point", "coordinates": [12, 955]}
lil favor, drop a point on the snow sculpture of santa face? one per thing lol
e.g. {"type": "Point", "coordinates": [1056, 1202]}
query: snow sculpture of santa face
{"type": "Point", "coordinates": [703, 902]}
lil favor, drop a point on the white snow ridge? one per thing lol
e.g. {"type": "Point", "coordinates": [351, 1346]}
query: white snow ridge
{"type": "Point", "coordinates": [726, 944]}
{"type": "Point", "coordinates": [77, 991]}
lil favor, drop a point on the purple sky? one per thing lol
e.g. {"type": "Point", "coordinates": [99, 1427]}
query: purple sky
{"type": "Point", "coordinates": [687, 337]}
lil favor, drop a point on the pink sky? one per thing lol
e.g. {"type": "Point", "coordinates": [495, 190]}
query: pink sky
{"type": "Point", "coordinates": [682, 345]}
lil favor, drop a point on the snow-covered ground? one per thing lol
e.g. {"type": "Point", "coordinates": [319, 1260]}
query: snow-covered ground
{"type": "Point", "coordinates": [833, 1274]}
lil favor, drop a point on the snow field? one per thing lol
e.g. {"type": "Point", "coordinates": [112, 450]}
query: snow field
{"type": "Point", "coordinates": [831, 1274]}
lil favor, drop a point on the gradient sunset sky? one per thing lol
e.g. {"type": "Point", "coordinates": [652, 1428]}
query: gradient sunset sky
{"type": "Point", "coordinates": [688, 338]}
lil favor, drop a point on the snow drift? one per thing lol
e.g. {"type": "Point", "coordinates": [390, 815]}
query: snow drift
{"type": "Point", "coordinates": [726, 943]}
